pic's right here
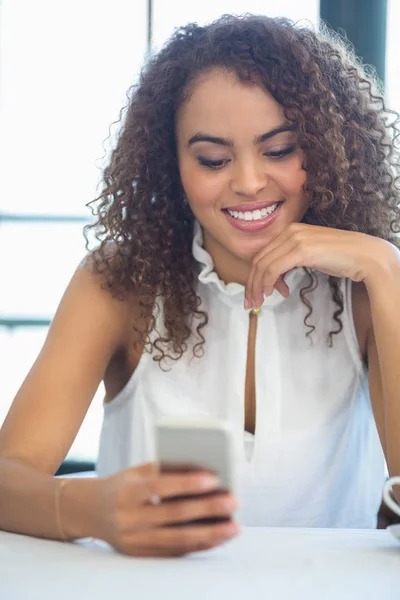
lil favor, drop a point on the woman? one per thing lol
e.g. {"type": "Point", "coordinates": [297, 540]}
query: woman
{"type": "Point", "coordinates": [248, 270]}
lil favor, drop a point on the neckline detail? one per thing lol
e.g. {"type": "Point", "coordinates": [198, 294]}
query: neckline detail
{"type": "Point", "coordinates": [232, 294]}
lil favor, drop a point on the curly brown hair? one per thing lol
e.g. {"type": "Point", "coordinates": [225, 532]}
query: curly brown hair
{"type": "Point", "coordinates": [347, 135]}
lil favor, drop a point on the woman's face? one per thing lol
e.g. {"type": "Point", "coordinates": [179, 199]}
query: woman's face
{"type": "Point", "coordinates": [240, 167]}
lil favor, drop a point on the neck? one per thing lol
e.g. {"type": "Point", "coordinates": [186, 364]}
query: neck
{"type": "Point", "coordinates": [229, 268]}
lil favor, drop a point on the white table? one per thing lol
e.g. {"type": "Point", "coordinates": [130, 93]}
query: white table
{"type": "Point", "coordinates": [270, 564]}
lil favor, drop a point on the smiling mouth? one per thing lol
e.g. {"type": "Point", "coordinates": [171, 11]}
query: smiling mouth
{"type": "Point", "coordinates": [253, 215]}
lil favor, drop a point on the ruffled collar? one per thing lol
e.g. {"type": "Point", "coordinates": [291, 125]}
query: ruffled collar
{"type": "Point", "coordinates": [232, 294]}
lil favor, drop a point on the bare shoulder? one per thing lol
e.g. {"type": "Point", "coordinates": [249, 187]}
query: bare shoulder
{"type": "Point", "coordinates": [92, 305]}
{"type": "Point", "coordinates": [361, 315]}
{"type": "Point", "coordinates": [88, 329]}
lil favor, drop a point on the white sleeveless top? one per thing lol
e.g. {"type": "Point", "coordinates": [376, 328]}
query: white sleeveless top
{"type": "Point", "coordinates": [315, 459]}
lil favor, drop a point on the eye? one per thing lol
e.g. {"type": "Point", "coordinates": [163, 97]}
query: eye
{"type": "Point", "coordinates": [212, 164]}
{"type": "Point", "coordinates": [281, 153]}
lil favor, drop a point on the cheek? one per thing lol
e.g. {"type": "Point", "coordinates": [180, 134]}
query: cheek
{"type": "Point", "coordinates": [293, 180]}
{"type": "Point", "coordinates": [201, 189]}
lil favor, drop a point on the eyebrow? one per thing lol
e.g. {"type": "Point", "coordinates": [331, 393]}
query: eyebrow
{"type": "Point", "coordinates": [204, 137]}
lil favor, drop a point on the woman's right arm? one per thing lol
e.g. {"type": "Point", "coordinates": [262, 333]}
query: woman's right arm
{"type": "Point", "coordinates": [51, 404]}
{"type": "Point", "coordinates": [88, 328]}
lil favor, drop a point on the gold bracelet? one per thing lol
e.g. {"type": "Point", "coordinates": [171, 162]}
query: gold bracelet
{"type": "Point", "coordinates": [59, 492]}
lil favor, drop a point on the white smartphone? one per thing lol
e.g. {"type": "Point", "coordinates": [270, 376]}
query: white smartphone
{"type": "Point", "coordinates": [198, 444]}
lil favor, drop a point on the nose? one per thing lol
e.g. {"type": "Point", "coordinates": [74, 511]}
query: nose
{"type": "Point", "coordinates": [249, 178]}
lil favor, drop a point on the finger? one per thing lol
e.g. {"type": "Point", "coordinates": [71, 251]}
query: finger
{"type": "Point", "coordinates": [275, 243]}
{"type": "Point", "coordinates": [273, 274]}
{"type": "Point", "coordinates": [181, 540]}
{"type": "Point", "coordinates": [264, 277]}
{"type": "Point", "coordinates": [170, 485]}
{"type": "Point", "coordinates": [283, 238]}
{"type": "Point", "coordinates": [282, 287]}
{"type": "Point", "coordinates": [254, 296]}
{"type": "Point", "coordinates": [182, 511]}
{"type": "Point", "coordinates": [250, 300]}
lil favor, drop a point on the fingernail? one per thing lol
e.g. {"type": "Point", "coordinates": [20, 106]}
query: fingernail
{"type": "Point", "coordinates": [210, 482]}
{"type": "Point", "coordinates": [231, 504]}
{"type": "Point", "coordinates": [268, 292]}
{"type": "Point", "coordinates": [246, 304]}
{"type": "Point", "coordinates": [254, 303]}
{"type": "Point", "coordinates": [233, 530]}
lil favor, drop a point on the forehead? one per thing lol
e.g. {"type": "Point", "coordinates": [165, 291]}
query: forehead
{"type": "Point", "coordinates": [218, 101]}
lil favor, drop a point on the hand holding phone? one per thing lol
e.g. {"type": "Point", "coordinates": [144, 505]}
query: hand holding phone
{"type": "Point", "coordinates": [137, 512]}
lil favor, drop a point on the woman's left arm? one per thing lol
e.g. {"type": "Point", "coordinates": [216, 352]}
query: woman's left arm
{"type": "Point", "coordinates": [382, 281]}
{"type": "Point", "coordinates": [361, 258]}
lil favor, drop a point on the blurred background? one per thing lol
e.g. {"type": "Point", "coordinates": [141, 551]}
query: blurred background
{"type": "Point", "coordinates": [65, 68]}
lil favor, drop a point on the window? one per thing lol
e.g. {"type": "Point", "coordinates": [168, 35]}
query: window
{"type": "Point", "coordinates": [171, 14]}
{"type": "Point", "coordinates": [64, 72]}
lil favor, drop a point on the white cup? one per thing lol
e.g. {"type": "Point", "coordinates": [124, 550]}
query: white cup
{"type": "Point", "coordinates": [387, 488]}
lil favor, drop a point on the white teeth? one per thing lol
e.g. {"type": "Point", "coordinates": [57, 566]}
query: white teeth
{"type": "Point", "coordinates": [254, 215]}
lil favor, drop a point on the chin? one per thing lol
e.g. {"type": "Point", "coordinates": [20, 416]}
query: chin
{"type": "Point", "coordinates": [247, 252]}
{"type": "Point", "coordinates": [247, 249]}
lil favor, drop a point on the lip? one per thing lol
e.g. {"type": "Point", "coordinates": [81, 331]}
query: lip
{"type": "Point", "coordinates": [250, 207]}
{"type": "Point", "coordinates": [253, 225]}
